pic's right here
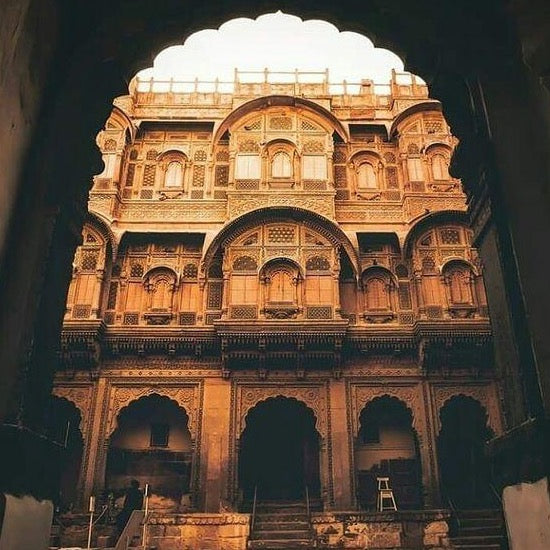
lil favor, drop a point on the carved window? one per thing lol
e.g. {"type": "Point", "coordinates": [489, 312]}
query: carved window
{"type": "Point", "coordinates": [244, 289]}
{"type": "Point", "coordinates": [314, 167]}
{"type": "Point", "coordinates": [366, 176]}
{"type": "Point", "coordinates": [160, 435]}
{"type": "Point", "coordinates": [161, 286]}
{"type": "Point", "coordinates": [281, 165]}
{"type": "Point", "coordinates": [282, 286]}
{"type": "Point", "coordinates": [415, 169]}
{"type": "Point", "coordinates": [247, 167]}
{"type": "Point", "coordinates": [377, 294]}
{"type": "Point", "coordinates": [440, 168]}
{"type": "Point", "coordinates": [318, 289]}
{"type": "Point", "coordinates": [459, 278]}
{"type": "Point", "coordinates": [174, 175]}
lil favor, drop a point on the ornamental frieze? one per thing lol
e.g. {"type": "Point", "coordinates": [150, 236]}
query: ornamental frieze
{"type": "Point", "coordinates": [415, 206]}
{"type": "Point", "coordinates": [188, 210]}
{"type": "Point", "coordinates": [321, 204]}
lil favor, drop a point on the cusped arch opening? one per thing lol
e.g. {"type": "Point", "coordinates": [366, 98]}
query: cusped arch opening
{"type": "Point", "coordinates": [279, 451]}
{"type": "Point", "coordinates": [387, 446]}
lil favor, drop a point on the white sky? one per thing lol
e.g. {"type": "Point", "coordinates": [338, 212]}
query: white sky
{"type": "Point", "coordinates": [280, 42]}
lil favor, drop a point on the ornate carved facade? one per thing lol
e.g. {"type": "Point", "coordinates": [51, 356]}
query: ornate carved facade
{"type": "Point", "coordinates": [266, 244]}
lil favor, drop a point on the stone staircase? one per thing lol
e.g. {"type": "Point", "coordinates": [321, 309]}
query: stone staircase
{"type": "Point", "coordinates": [279, 525]}
{"type": "Point", "coordinates": [480, 530]}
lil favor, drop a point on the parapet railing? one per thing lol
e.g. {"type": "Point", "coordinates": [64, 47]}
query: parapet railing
{"type": "Point", "coordinates": [310, 82]}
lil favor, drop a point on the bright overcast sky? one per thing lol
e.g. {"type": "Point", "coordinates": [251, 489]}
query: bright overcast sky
{"type": "Point", "coordinates": [279, 42]}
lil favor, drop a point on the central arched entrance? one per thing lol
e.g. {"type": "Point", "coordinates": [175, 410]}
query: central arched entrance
{"type": "Point", "coordinates": [464, 468]}
{"type": "Point", "coordinates": [279, 451]}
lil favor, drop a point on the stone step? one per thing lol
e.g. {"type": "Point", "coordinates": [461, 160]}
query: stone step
{"type": "Point", "coordinates": [277, 534]}
{"type": "Point", "coordinates": [481, 512]}
{"type": "Point", "coordinates": [480, 530]}
{"type": "Point", "coordinates": [262, 525]}
{"type": "Point", "coordinates": [276, 544]}
{"type": "Point", "coordinates": [479, 522]}
{"type": "Point", "coordinates": [281, 517]}
{"type": "Point", "coordinates": [479, 540]}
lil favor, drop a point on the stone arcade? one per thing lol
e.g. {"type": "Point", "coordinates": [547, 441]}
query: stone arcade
{"type": "Point", "coordinates": [276, 294]}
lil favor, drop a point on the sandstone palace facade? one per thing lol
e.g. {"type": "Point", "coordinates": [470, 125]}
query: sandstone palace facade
{"type": "Point", "coordinates": [276, 292]}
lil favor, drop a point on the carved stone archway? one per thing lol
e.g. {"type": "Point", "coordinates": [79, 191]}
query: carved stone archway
{"type": "Point", "coordinates": [485, 395]}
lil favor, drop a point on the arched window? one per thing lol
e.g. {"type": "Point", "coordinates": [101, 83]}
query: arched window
{"type": "Point", "coordinates": [377, 295]}
{"type": "Point", "coordinates": [460, 290]}
{"type": "Point", "coordinates": [282, 288]}
{"type": "Point", "coordinates": [440, 168]}
{"type": "Point", "coordinates": [281, 166]}
{"type": "Point", "coordinates": [174, 175]}
{"type": "Point", "coordinates": [366, 176]}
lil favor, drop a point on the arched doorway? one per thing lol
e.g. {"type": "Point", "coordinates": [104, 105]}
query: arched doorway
{"type": "Point", "coordinates": [387, 445]}
{"type": "Point", "coordinates": [463, 467]}
{"type": "Point", "coordinates": [279, 451]}
{"type": "Point", "coordinates": [152, 444]}
{"type": "Point", "coordinates": [63, 428]}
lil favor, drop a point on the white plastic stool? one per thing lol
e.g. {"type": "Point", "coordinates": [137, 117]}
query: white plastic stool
{"type": "Point", "coordinates": [385, 500]}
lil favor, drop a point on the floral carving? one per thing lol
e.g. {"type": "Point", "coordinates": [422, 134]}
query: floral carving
{"type": "Point", "coordinates": [186, 397]}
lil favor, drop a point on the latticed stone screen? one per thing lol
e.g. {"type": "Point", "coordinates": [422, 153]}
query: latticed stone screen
{"type": "Point", "coordinates": [391, 177]}
{"type": "Point", "coordinates": [198, 175]}
{"type": "Point", "coordinates": [211, 317]}
{"type": "Point", "coordinates": [221, 176]}
{"type": "Point", "coordinates": [89, 260]}
{"type": "Point", "coordinates": [243, 312]}
{"type": "Point", "coordinates": [136, 270]}
{"type": "Point", "coordinates": [319, 312]}
{"type": "Point", "coordinates": [149, 175]}
{"type": "Point", "coordinates": [340, 176]}
{"type": "Point", "coordinates": [280, 123]}
{"type": "Point", "coordinates": [190, 271]}
{"type": "Point", "coordinates": [131, 319]}
{"type": "Point", "coordinates": [81, 311]}
{"type": "Point", "coordinates": [214, 295]}
{"type": "Point", "coordinates": [450, 236]}
{"type": "Point", "coordinates": [281, 234]}
{"type": "Point", "coordinates": [111, 299]}
{"type": "Point", "coordinates": [130, 175]}
{"type": "Point", "coordinates": [187, 318]}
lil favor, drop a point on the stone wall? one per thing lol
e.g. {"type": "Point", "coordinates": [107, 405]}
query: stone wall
{"type": "Point", "coordinates": [199, 531]}
{"type": "Point", "coordinates": [383, 530]}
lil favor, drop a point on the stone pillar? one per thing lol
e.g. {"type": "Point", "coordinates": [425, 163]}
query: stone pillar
{"type": "Point", "coordinates": [342, 446]}
{"type": "Point", "coordinates": [92, 442]}
{"type": "Point", "coordinates": [215, 459]}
